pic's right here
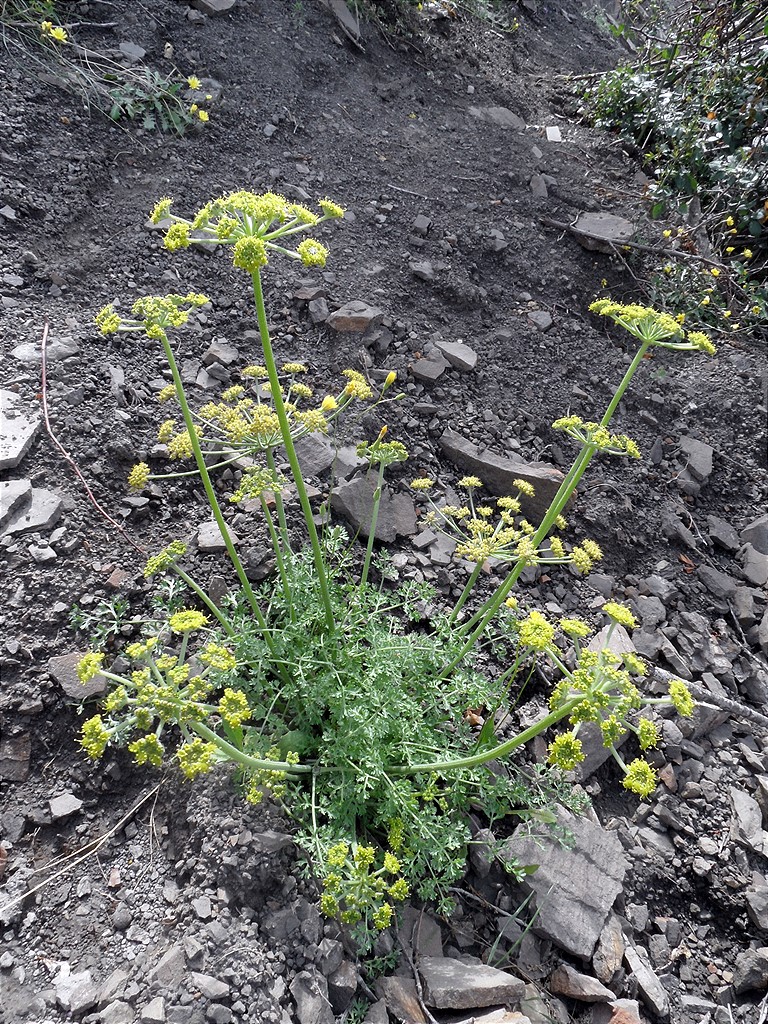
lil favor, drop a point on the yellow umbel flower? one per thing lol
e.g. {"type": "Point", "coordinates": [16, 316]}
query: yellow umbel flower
{"type": "Point", "coordinates": [89, 666]}
{"type": "Point", "coordinates": [137, 478]}
{"type": "Point", "coordinates": [187, 620]}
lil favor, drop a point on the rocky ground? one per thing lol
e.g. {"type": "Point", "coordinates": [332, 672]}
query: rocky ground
{"type": "Point", "coordinates": [131, 897]}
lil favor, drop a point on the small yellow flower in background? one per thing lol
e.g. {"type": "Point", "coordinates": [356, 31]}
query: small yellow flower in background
{"type": "Point", "coordinates": [715, 272]}
{"type": "Point", "coordinates": [726, 313]}
{"type": "Point", "coordinates": [667, 233]}
{"type": "Point", "coordinates": [604, 283]}
{"type": "Point", "coordinates": [704, 301]}
{"type": "Point", "coordinates": [193, 82]}
{"type": "Point", "coordinates": [187, 620]}
{"type": "Point", "coordinates": [735, 327]}
{"type": "Point", "coordinates": [668, 268]}
{"type": "Point", "coordinates": [755, 310]}
{"type": "Point", "coordinates": [137, 478]}
{"type": "Point", "coordinates": [203, 115]}
{"type": "Point", "coordinates": [730, 249]}
{"type": "Point", "coordinates": [470, 481]}
{"type": "Point", "coordinates": [194, 108]}
{"type": "Point", "coordinates": [729, 221]}
{"type": "Point", "coordinates": [53, 32]}
{"type": "Point", "coordinates": [733, 231]}
{"type": "Point", "coordinates": [748, 254]}
{"type": "Point", "coordinates": [209, 96]}
{"type": "Point", "coordinates": [422, 483]}
{"type": "Point", "coordinates": [680, 318]}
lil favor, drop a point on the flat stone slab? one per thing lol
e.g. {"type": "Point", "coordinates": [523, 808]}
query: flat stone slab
{"type": "Point", "coordinates": [499, 473]}
{"type": "Point", "coordinates": [354, 500]}
{"type": "Point", "coordinates": [574, 889]}
{"type": "Point", "coordinates": [354, 317]}
{"type": "Point", "coordinates": [459, 355]}
{"type": "Point", "coordinates": [602, 232]}
{"type": "Point", "coordinates": [18, 427]}
{"type": "Point", "coordinates": [64, 670]}
{"type": "Point", "coordinates": [455, 985]}
{"type": "Point", "coordinates": [55, 350]}
{"type": "Point", "coordinates": [503, 117]}
{"type": "Point", "coordinates": [14, 495]}
{"type": "Point", "coordinates": [42, 513]}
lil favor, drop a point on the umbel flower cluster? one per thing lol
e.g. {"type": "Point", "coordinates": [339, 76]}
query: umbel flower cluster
{"type": "Point", "coordinates": [483, 532]}
{"type": "Point", "coordinates": [253, 225]}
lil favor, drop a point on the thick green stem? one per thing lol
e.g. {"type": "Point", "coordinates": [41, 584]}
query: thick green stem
{"type": "Point", "coordinates": [277, 548]}
{"type": "Point", "coordinates": [465, 592]}
{"type": "Point", "coordinates": [245, 759]}
{"type": "Point", "coordinates": [293, 461]}
{"type": "Point", "coordinates": [372, 530]}
{"type": "Point", "coordinates": [224, 622]}
{"type": "Point", "coordinates": [213, 501]}
{"type": "Point", "coordinates": [279, 505]}
{"type": "Point", "coordinates": [495, 752]}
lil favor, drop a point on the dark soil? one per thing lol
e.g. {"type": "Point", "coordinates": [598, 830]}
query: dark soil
{"type": "Point", "coordinates": [384, 129]}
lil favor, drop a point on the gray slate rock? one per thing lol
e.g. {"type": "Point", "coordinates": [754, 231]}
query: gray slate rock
{"type": "Point", "coordinates": [717, 583]}
{"type": "Point", "coordinates": [574, 889]}
{"type": "Point", "coordinates": [42, 513]}
{"type": "Point", "coordinates": [76, 993]}
{"type": "Point", "coordinates": [723, 533]}
{"type": "Point", "coordinates": [602, 232]}
{"type": "Point", "coordinates": [310, 992]}
{"type": "Point", "coordinates": [699, 458]}
{"type": "Point", "coordinates": [315, 453]}
{"type": "Point", "coordinates": [118, 1012]}
{"type": "Point", "coordinates": [750, 971]}
{"type": "Point", "coordinates": [459, 355]}
{"type": "Point", "coordinates": [565, 981]}
{"type": "Point", "coordinates": [651, 991]}
{"type": "Point", "coordinates": [18, 426]}
{"type": "Point", "coordinates": [212, 7]}
{"type": "Point", "coordinates": [56, 350]}
{"type": "Point", "coordinates": [353, 499]}
{"type": "Point", "coordinates": [64, 670]}
{"type": "Point", "coordinates": [499, 473]}
{"type": "Point", "coordinates": [64, 806]}
{"type": "Point", "coordinates": [503, 117]}
{"type": "Point", "coordinates": [354, 317]}
{"type": "Point", "coordinates": [169, 969]}
{"type": "Point", "coordinates": [541, 319]}
{"type": "Point", "coordinates": [210, 540]}
{"type": "Point", "coordinates": [754, 565]}
{"type": "Point", "coordinates": [756, 534]}
{"type": "Point", "coordinates": [14, 495]}
{"type": "Point", "coordinates": [429, 370]}
{"type": "Point", "coordinates": [757, 906]}
{"type": "Point", "coordinates": [454, 985]}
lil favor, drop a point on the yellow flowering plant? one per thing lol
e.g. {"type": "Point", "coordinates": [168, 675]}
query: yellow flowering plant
{"type": "Point", "coordinates": [321, 685]}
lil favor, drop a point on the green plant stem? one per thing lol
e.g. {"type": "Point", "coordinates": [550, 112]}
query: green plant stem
{"type": "Point", "coordinates": [465, 592]}
{"type": "Point", "coordinates": [473, 760]}
{"type": "Point", "coordinates": [285, 430]}
{"type": "Point", "coordinates": [245, 759]}
{"type": "Point", "coordinates": [278, 556]}
{"type": "Point", "coordinates": [213, 501]}
{"type": "Point", "coordinates": [211, 605]}
{"type": "Point", "coordinates": [372, 530]}
{"type": "Point", "coordinates": [279, 504]}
